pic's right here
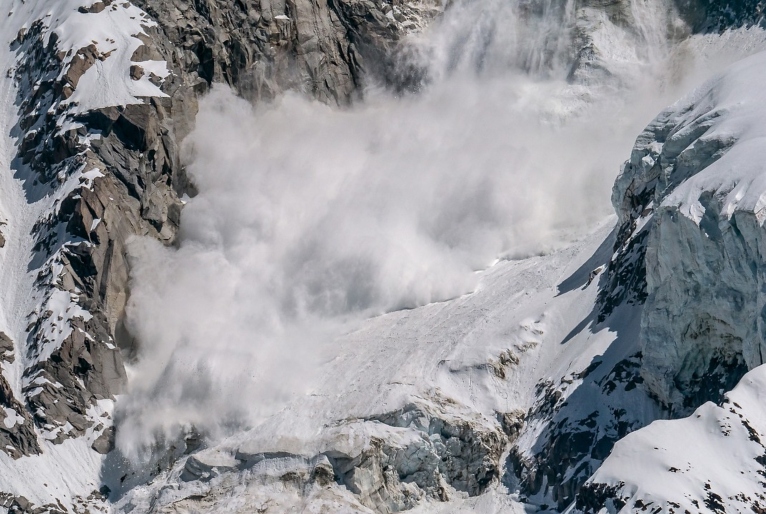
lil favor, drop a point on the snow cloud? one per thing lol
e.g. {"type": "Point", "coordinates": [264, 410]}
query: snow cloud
{"type": "Point", "coordinates": [310, 218]}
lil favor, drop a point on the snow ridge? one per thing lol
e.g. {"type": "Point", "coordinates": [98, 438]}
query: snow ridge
{"type": "Point", "coordinates": [703, 162]}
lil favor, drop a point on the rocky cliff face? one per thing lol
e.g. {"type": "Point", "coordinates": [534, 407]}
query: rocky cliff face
{"type": "Point", "coordinates": [701, 326]}
{"type": "Point", "coordinates": [109, 171]}
{"type": "Point", "coordinates": [326, 50]}
{"type": "Point", "coordinates": [103, 93]}
{"type": "Point", "coordinates": [101, 175]}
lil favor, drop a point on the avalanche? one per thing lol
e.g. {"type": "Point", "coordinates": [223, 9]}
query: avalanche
{"type": "Point", "coordinates": [410, 373]}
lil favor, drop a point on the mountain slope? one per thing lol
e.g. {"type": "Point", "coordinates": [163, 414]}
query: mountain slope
{"type": "Point", "coordinates": [700, 165]}
{"type": "Point", "coordinates": [506, 398]}
{"type": "Point", "coordinates": [93, 113]}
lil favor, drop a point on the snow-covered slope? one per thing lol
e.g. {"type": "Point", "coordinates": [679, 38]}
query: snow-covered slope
{"type": "Point", "coordinates": [701, 165]}
{"type": "Point", "coordinates": [413, 390]}
{"type": "Point", "coordinates": [504, 399]}
{"type": "Point", "coordinates": [712, 461]}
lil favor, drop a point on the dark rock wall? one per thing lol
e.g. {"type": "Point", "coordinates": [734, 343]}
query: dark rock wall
{"type": "Point", "coordinates": [325, 49]}
{"type": "Point", "coordinates": [321, 49]}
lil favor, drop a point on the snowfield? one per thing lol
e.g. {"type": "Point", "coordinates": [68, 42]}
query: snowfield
{"type": "Point", "coordinates": [711, 461]}
{"type": "Point", "coordinates": [471, 358]}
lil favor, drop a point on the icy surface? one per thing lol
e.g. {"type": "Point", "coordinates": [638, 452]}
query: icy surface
{"type": "Point", "coordinates": [696, 183]}
{"type": "Point", "coordinates": [735, 110]}
{"type": "Point", "coordinates": [710, 225]}
{"type": "Point", "coordinates": [480, 353]}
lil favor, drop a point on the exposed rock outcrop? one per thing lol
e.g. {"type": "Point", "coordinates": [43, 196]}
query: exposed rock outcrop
{"type": "Point", "coordinates": [392, 463]}
{"type": "Point", "coordinates": [108, 175]}
{"type": "Point", "coordinates": [324, 49]}
{"type": "Point", "coordinates": [574, 425]}
{"type": "Point", "coordinates": [112, 171]}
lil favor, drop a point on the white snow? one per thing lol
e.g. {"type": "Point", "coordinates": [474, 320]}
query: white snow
{"type": "Point", "coordinates": [61, 309]}
{"type": "Point", "coordinates": [737, 107]}
{"type": "Point", "coordinates": [440, 350]}
{"type": "Point", "coordinates": [681, 463]}
{"type": "Point", "coordinates": [64, 472]}
{"type": "Point", "coordinates": [12, 418]}
{"type": "Point", "coordinates": [113, 31]}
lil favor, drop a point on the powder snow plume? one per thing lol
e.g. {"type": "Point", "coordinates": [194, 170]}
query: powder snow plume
{"type": "Point", "coordinates": [311, 218]}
